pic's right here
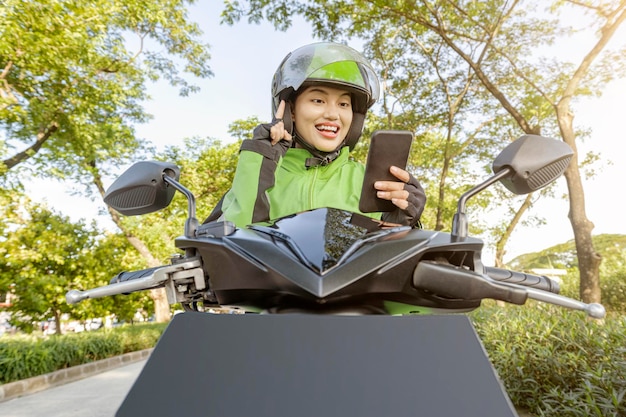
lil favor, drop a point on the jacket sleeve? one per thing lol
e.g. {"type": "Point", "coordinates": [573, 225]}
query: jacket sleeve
{"type": "Point", "coordinates": [247, 202]}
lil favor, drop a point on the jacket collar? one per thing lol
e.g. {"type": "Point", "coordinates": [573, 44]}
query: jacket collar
{"type": "Point", "coordinates": [295, 160]}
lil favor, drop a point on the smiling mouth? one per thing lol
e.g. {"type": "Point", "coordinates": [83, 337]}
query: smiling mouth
{"type": "Point", "coordinates": [327, 129]}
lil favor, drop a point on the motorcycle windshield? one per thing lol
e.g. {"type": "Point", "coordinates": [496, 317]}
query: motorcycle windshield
{"type": "Point", "coordinates": [321, 238]}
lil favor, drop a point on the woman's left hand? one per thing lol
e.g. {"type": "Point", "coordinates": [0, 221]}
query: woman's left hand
{"type": "Point", "coordinates": [407, 194]}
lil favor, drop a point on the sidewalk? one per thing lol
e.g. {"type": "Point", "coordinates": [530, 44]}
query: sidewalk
{"type": "Point", "coordinates": [64, 376]}
{"type": "Point", "coordinates": [92, 390]}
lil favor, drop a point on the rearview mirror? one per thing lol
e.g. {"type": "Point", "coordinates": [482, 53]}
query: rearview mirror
{"type": "Point", "coordinates": [525, 165]}
{"type": "Point", "coordinates": [141, 189]}
{"type": "Point", "coordinates": [534, 161]}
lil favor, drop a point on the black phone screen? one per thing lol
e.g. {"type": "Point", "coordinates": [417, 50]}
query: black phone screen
{"type": "Point", "coordinates": [387, 148]}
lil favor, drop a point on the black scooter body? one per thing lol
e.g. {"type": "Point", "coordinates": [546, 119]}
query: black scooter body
{"type": "Point", "coordinates": [328, 260]}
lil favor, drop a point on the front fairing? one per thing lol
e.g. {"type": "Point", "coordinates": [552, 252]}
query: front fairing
{"type": "Point", "coordinates": [328, 259]}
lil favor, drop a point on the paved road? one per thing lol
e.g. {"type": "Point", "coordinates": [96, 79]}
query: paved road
{"type": "Point", "coordinates": [96, 396]}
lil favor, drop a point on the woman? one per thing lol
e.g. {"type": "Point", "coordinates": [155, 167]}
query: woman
{"type": "Point", "coordinates": [321, 94]}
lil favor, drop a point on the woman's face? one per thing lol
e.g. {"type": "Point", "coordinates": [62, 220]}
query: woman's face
{"type": "Point", "coordinates": [323, 116]}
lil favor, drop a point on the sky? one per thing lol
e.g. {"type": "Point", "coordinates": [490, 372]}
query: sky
{"type": "Point", "coordinates": [244, 58]}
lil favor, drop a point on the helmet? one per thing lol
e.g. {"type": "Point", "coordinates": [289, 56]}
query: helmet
{"type": "Point", "coordinates": [336, 65]}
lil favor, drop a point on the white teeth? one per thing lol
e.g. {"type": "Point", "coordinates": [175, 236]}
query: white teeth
{"type": "Point", "coordinates": [328, 128]}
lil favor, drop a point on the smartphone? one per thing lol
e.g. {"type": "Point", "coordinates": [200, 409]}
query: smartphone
{"type": "Point", "coordinates": [387, 148]}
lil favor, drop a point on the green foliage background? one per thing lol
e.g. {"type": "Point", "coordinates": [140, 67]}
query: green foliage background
{"type": "Point", "coordinates": [71, 91]}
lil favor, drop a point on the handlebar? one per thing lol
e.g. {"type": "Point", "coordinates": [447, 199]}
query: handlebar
{"type": "Point", "coordinates": [544, 289]}
{"type": "Point", "coordinates": [527, 280]}
{"type": "Point", "coordinates": [127, 282]}
{"type": "Point", "coordinates": [454, 282]}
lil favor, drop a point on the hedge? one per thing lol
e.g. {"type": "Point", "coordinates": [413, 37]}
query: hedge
{"type": "Point", "coordinates": [557, 362]}
{"type": "Point", "coordinates": [23, 357]}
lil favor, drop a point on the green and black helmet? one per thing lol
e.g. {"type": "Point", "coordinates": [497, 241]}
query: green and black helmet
{"type": "Point", "coordinates": [333, 64]}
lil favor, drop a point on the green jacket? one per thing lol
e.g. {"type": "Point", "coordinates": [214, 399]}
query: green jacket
{"type": "Point", "coordinates": [268, 185]}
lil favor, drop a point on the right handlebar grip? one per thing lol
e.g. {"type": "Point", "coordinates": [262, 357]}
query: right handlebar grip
{"type": "Point", "coordinates": [131, 275]}
{"type": "Point", "coordinates": [528, 280]}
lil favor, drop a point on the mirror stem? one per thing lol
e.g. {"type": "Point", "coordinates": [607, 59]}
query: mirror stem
{"type": "Point", "coordinates": [460, 226]}
{"type": "Point", "coordinates": [191, 225]}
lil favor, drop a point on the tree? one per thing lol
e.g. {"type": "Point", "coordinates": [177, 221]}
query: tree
{"type": "Point", "coordinates": [73, 75]}
{"type": "Point", "coordinates": [72, 80]}
{"type": "Point", "coordinates": [551, 92]}
{"type": "Point", "coordinates": [109, 254]}
{"type": "Point", "coordinates": [497, 39]}
{"type": "Point", "coordinates": [43, 255]}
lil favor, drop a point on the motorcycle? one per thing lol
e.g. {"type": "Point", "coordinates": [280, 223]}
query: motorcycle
{"type": "Point", "coordinates": [326, 283]}
{"type": "Point", "coordinates": [328, 261]}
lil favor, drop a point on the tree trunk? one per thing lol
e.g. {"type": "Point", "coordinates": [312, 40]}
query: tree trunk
{"type": "Point", "coordinates": [442, 187]}
{"type": "Point", "coordinates": [588, 259]}
{"type": "Point", "coordinates": [57, 322]}
{"type": "Point", "coordinates": [162, 312]}
{"type": "Point", "coordinates": [504, 238]}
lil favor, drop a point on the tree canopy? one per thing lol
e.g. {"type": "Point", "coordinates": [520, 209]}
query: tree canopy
{"type": "Point", "coordinates": [73, 77]}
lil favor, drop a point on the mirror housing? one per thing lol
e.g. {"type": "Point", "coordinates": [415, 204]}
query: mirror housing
{"type": "Point", "coordinates": [142, 189]}
{"type": "Point", "coordinates": [535, 161]}
{"type": "Point", "coordinates": [525, 165]}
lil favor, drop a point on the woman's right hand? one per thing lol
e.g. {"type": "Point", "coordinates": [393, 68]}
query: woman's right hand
{"type": "Point", "coordinates": [278, 131]}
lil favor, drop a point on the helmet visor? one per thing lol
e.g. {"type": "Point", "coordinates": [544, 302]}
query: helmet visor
{"type": "Point", "coordinates": [328, 63]}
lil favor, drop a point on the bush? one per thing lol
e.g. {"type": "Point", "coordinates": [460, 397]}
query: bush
{"type": "Point", "coordinates": [612, 287]}
{"type": "Point", "coordinates": [23, 357]}
{"type": "Point", "coordinates": [555, 362]}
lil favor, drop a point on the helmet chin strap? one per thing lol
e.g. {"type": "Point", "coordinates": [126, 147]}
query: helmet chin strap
{"type": "Point", "coordinates": [319, 157]}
